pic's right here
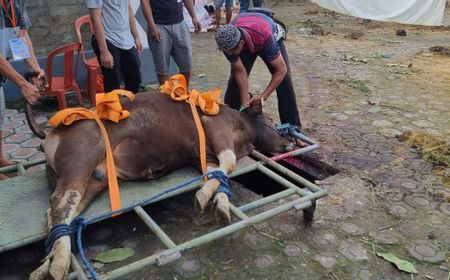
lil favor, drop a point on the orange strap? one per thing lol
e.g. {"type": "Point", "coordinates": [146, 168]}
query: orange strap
{"type": "Point", "coordinates": [108, 108]}
{"type": "Point", "coordinates": [176, 88]}
{"type": "Point", "coordinates": [11, 17]}
{"type": "Point", "coordinates": [208, 102]}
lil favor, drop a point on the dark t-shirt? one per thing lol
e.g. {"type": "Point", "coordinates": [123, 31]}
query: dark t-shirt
{"type": "Point", "coordinates": [167, 11]}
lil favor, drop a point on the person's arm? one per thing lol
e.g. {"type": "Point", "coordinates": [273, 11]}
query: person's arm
{"type": "Point", "coordinates": [240, 74]}
{"type": "Point", "coordinates": [106, 59]}
{"type": "Point", "coordinates": [29, 91]}
{"type": "Point", "coordinates": [133, 28]}
{"type": "Point", "coordinates": [31, 61]}
{"type": "Point", "coordinates": [153, 30]}
{"type": "Point", "coordinates": [190, 8]}
{"type": "Point", "coordinates": [280, 71]}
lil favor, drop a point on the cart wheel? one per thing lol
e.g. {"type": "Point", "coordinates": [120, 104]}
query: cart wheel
{"type": "Point", "coordinates": [308, 213]}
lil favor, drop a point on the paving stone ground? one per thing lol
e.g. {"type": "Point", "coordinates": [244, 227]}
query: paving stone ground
{"type": "Point", "coordinates": [355, 98]}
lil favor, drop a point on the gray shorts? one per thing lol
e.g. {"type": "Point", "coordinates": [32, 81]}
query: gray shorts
{"type": "Point", "coordinates": [2, 109]}
{"type": "Point", "coordinates": [175, 42]}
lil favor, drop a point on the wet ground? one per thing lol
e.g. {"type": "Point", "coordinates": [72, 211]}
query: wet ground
{"type": "Point", "coordinates": [356, 97]}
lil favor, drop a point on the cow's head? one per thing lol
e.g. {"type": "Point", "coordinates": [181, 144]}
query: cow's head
{"type": "Point", "coordinates": [267, 138]}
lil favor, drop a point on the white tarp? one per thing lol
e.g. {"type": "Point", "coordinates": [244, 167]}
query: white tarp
{"type": "Point", "coordinates": [205, 19]}
{"type": "Point", "coordinates": [422, 12]}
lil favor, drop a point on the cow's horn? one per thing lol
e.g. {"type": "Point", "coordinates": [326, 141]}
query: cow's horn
{"type": "Point", "coordinates": [34, 126]}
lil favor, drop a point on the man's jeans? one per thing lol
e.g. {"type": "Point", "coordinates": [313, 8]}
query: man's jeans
{"type": "Point", "coordinates": [287, 105]}
{"type": "Point", "coordinates": [245, 5]}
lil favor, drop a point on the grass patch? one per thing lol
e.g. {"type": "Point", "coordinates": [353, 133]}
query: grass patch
{"type": "Point", "coordinates": [430, 147]}
{"type": "Point", "coordinates": [349, 58]}
{"type": "Point", "coordinates": [303, 24]}
{"type": "Point", "coordinates": [309, 27]}
{"type": "Point", "coordinates": [359, 85]}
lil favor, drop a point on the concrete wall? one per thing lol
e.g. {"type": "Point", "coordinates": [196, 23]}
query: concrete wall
{"type": "Point", "coordinates": [53, 23]}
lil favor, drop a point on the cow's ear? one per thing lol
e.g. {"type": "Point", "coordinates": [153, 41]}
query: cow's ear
{"type": "Point", "coordinates": [254, 110]}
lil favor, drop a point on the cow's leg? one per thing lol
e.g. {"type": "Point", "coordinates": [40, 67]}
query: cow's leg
{"type": "Point", "coordinates": [221, 209]}
{"type": "Point", "coordinates": [63, 202]}
{"type": "Point", "coordinates": [227, 163]}
{"type": "Point", "coordinates": [97, 183]}
{"type": "Point", "coordinates": [93, 189]}
{"type": "Point", "coordinates": [205, 193]}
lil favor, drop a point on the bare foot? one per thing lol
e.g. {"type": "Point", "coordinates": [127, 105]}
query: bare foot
{"type": "Point", "coordinates": [3, 177]}
{"type": "Point", "coordinates": [300, 143]}
{"type": "Point", "coordinates": [5, 162]}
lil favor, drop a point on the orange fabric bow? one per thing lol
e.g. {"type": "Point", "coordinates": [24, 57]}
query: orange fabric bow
{"type": "Point", "coordinates": [209, 103]}
{"type": "Point", "coordinates": [176, 88]}
{"type": "Point", "coordinates": [108, 107]}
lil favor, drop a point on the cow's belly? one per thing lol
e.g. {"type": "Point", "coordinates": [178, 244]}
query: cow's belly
{"type": "Point", "coordinates": [137, 161]}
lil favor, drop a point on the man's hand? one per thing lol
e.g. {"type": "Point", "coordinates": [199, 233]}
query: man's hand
{"type": "Point", "coordinates": [197, 25]}
{"type": "Point", "coordinates": [245, 102]}
{"type": "Point", "coordinates": [138, 44]}
{"type": "Point", "coordinates": [40, 73]}
{"type": "Point", "coordinates": [256, 99]}
{"type": "Point", "coordinates": [39, 81]}
{"type": "Point", "coordinates": [106, 59]}
{"type": "Point", "coordinates": [155, 34]}
{"type": "Point", "coordinates": [30, 92]}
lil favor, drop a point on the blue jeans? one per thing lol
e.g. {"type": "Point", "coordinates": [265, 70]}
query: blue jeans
{"type": "Point", "coordinates": [245, 4]}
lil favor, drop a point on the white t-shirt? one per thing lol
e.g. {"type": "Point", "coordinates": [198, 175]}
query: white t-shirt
{"type": "Point", "coordinates": [115, 21]}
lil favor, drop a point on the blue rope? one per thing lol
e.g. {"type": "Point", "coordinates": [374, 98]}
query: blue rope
{"type": "Point", "coordinates": [286, 128]}
{"type": "Point", "coordinates": [224, 183]}
{"type": "Point", "coordinates": [56, 232]}
{"type": "Point", "coordinates": [79, 223]}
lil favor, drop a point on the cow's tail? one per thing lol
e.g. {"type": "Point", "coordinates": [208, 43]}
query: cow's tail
{"type": "Point", "coordinates": [31, 120]}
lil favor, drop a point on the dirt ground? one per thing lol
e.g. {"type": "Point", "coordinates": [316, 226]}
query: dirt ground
{"type": "Point", "coordinates": [359, 88]}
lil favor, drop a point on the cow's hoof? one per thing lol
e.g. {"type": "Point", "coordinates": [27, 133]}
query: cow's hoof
{"type": "Point", "coordinates": [221, 209]}
{"type": "Point", "coordinates": [41, 272]}
{"type": "Point", "coordinates": [201, 200]}
{"type": "Point", "coordinates": [58, 272]}
{"type": "Point", "coordinates": [204, 194]}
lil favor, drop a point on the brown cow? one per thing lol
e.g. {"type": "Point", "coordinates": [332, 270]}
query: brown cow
{"type": "Point", "coordinates": [158, 137]}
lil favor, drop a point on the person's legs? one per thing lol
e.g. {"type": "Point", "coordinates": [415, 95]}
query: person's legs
{"type": "Point", "coordinates": [111, 77]}
{"type": "Point", "coordinates": [257, 3]}
{"type": "Point", "coordinates": [161, 52]}
{"type": "Point", "coordinates": [287, 104]}
{"type": "Point", "coordinates": [218, 13]}
{"type": "Point", "coordinates": [232, 97]}
{"type": "Point", "coordinates": [244, 5]}
{"type": "Point", "coordinates": [130, 66]}
{"type": "Point", "coordinates": [3, 161]}
{"type": "Point", "coordinates": [218, 17]}
{"type": "Point", "coordinates": [182, 49]}
{"type": "Point", "coordinates": [228, 11]}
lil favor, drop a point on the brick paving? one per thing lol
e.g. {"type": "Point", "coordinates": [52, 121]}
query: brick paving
{"type": "Point", "coordinates": [21, 144]}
